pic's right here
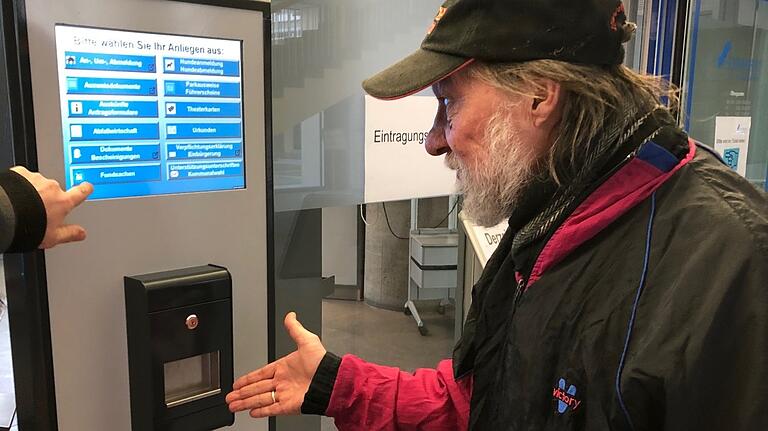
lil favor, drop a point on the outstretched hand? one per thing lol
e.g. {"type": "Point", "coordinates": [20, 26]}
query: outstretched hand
{"type": "Point", "coordinates": [58, 204]}
{"type": "Point", "coordinates": [278, 388]}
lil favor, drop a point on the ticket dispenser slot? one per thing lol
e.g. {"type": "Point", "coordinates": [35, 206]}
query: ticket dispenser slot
{"type": "Point", "coordinates": [180, 348]}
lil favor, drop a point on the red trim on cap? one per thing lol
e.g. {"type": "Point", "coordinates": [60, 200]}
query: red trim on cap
{"type": "Point", "coordinates": [461, 66]}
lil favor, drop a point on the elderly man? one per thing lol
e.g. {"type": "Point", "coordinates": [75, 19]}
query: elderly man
{"type": "Point", "coordinates": [631, 288]}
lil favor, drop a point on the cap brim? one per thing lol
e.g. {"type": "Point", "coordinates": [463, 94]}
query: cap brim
{"type": "Point", "coordinates": [413, 74]}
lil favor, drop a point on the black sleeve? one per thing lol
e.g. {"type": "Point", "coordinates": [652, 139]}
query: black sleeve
{"type": "Point", "coordinates": [25, 221]}
{"type": "Point", "coordinates": [319, 394]}
{"type": "Point", "coordinates": [721, 378]}
{"type": "Point", "coordinates": [698, 358]}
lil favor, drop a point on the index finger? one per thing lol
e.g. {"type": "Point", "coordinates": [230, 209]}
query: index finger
{"type": "Point", "coordinates": [264, 373]}
{"type": "Point", "coordinates": [79, 193]}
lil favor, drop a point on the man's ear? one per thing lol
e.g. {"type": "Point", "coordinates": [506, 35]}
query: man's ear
{"type": "Point", "coordinates": [545, 106]}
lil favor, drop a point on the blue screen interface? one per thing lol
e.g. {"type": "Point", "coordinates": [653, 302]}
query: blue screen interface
{"type": "Point", "coordinates": [150, 114]}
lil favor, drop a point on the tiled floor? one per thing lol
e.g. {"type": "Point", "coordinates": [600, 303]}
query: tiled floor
{"type": "Point", "coordinates": [385, 337]}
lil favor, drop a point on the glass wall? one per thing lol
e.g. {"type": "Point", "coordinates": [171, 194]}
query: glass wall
{"type": "Point", "coordinates": [637, 49]}
{"type": "Point", "coordinates": [321, 52]}
{"type": "Point", "coordinates": [726, 89]}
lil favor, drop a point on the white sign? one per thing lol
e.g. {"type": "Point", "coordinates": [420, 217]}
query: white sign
{"type": "Point", "coordinates": [484, 240]}
{"type": "Point", "coordinates": [397, 166]}
{"type": "Point", "coordinates": [732, 141]}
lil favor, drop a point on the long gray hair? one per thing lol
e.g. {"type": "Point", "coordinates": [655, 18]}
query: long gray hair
{"type": "Point", "coordinates": [595, 98]}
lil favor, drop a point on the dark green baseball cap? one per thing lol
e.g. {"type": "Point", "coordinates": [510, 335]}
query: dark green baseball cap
{"type": "Point", "coordinates": [507, 31]}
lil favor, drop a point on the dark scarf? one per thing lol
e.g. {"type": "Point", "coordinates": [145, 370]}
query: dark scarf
{"type": "Point", "coordinates": [544, 205]}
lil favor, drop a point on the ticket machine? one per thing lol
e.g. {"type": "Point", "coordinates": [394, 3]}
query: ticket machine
{"type": "Point", "coordinates": [164, 106]}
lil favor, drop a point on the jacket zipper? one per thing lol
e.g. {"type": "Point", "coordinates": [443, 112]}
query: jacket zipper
{"type": "Point", "coordinates": [518, 294]}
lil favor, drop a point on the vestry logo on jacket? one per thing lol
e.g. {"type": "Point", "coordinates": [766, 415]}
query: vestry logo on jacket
{"type": "Point", "coordinates": [565, 398]}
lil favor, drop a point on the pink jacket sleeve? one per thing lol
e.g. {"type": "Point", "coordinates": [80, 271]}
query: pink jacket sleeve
{"type": "Point", "coordinates": [377, 398]}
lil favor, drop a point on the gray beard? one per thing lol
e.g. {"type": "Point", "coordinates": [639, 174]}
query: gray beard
{"type": "Point", "coordinates": [493, 185]}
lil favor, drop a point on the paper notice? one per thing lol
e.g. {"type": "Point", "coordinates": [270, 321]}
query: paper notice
{"type": "Point", "coordinates": [732, 141]}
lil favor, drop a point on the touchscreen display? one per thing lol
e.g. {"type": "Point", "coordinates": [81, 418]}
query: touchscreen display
{"type": "Point", "coordinates": [148, 114]}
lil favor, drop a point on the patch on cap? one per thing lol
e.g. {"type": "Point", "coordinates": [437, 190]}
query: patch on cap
{"type": "Point", "coordinates": [438, 17]}
{"type": "Point", "coordinates": [619, 15]}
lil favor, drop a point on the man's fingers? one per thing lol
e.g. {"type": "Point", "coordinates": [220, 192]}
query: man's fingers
{"type": "Point", "coordinates": [270, 410]}
{"type": "Point", "coordinates": [65, 234]}
{"type": "Point", "coordinates": [79, 193]}
{"type": "Point", "coordinates": [254, 402]}
{"type": "Point", "coordinates": [248, 391]}
{"type": "Point", "coordinates": [264, 373]}
{"type": "Point", "coordinates": [70, 233]}
{"type": "Point", "coordinates": [297, 332]}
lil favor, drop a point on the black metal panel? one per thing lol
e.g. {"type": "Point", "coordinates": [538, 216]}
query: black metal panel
{"type": "Point", "coordinates": [25, 273]}
{"type": "Point", "coordinates": [140, 368]}
{"type": "Point", "coordinates": [173, 289]}
{"type": "Point", "coordinates": [172, 341]}
{"type": "Point", "coordinates": [269, 173]}
{"type": "Point", "coordinates": [6, 150]}
{"type": "Point", "coordinates": [159, 337]}
{"type": "Point", "coordinates": [361, 253]}
{"type": "Point", "coordinates": [261, 6]}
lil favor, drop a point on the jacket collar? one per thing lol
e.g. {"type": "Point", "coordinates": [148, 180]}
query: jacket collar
{"type": "Point", "coordinates": [648, 169]}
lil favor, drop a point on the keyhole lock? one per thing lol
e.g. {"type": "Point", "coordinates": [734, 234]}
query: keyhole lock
{"type": "Point", "coordinates": [192, 321]}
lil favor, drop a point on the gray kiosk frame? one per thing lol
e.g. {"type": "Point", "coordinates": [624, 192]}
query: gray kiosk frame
{"type": "Point", "coordinates": [27, 287]}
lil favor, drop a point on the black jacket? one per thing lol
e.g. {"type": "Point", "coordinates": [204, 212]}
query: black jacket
{"type": "Point", "coordinates": [645, 308]}
{"type": "Point", "coordinates": [659, 321]}
{"type": "Point", "coordinates": [22, 214]}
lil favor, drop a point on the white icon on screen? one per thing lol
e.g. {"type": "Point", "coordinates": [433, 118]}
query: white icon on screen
{"type": "Point", "coordinates": [76, 130]}
{"type": "Point", "coordinates": [171, 154]}
{"type": "Point", "coordinates": [174, 174]}
{"type": "Point", "coordinates": [170, 64]}
{"type": "Point", "coordinates": [171, 130]}
{"type": "Point", "coordinates": [78, 177]}
{"type": "Point", "coordinates": [77, 153]}
{"type": "Point", "coordinates": [77, 107]}
{"type": "Point", "coordinates": [71, 61]}
{"type": "Point", "coordinates": [170, 108]}
{"type": "Point", "coordinates": [72, 83]}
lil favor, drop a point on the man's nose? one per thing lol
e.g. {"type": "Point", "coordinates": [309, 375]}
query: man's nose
{"type": "Point", "coordinates": [436, 143]}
